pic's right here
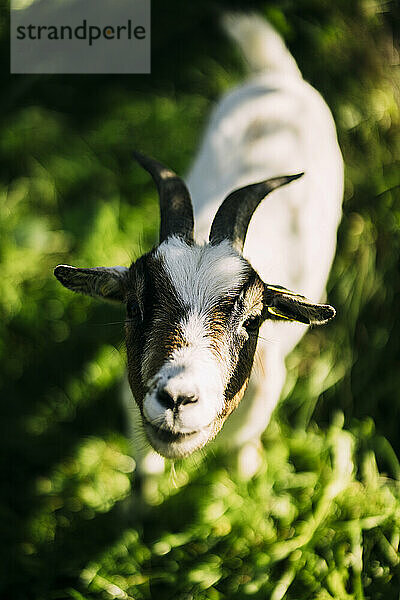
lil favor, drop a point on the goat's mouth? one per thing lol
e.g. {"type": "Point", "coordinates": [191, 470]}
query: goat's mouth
{"type": "Point", "coordinates": [168, 436]}
{"type": "Point", "coordinates": [176, 444]}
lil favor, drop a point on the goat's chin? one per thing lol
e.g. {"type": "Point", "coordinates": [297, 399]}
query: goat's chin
{"type": "Point", "coordinates": [177, 445]}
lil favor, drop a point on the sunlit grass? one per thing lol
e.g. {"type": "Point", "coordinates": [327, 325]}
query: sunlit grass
{"type": "Point", "coordinates": [319, 521]}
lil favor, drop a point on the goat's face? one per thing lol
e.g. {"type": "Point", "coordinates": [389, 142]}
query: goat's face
{"type": "Point", "coordinates": [191, 333]}
{"type": "Point", "coordinates": [193, 316]}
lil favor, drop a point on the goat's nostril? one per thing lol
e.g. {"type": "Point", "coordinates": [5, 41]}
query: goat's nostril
{"type": "Point", "coordinates": [189, 399]}
{"type": "Point", "coordinates": [165, 399]}
{"type": "Point", "coordinates": [168, 401]}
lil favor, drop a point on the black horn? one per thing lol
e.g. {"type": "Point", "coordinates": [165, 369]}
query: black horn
{"type": "Point", "coordinates": [176, 211]}
{"type": "Point", "coordinates": [234, 214]}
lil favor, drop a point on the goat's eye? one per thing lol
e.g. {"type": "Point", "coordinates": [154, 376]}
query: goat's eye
{"type": "Point", "coordinates": [132, 309]}
{"type": "Point", "coordinates": [252, 323]}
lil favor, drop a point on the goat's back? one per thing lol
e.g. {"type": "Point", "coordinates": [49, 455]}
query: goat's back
{"type": "Point", "coordinates": [275, 124]}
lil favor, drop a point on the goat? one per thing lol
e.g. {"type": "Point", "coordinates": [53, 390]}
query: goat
{"type": "Point", "coordinates": [195, 308]}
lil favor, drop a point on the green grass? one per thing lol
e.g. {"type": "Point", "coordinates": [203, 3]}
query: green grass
{"type": "Point", "coordinates": [321, 520]}
{"type": "Point", "coordinates": [318, 521]}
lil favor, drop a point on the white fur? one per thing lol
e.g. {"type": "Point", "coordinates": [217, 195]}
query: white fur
{"type": "Point", "coordinates": [202, 275]}
{"type": "Point", "coordinates": [274, 124]}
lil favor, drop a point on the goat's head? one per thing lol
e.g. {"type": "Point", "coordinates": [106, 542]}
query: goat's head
{"type": "Point", "coordinates": [193, 314]}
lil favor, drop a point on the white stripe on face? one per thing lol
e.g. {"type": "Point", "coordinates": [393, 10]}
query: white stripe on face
{"type": "Point", "coordinates": [202, 275]}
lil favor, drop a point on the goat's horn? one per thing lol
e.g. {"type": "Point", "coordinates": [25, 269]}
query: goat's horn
{"type": "Point", "coordinates": [234, 214]}
{"type": "Point", "coordinates": [176, 211]}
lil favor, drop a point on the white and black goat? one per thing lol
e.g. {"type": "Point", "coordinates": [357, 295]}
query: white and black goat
{"type": "Point", "coordinates": [194, 307]}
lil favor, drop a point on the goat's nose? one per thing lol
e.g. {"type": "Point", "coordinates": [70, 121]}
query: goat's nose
{"type": "Point", "coordinates": [168, 401]}
{"type": "Point", "coordinates": [165, 399]}
{"type": "Point", "coordinates": [187, 399]}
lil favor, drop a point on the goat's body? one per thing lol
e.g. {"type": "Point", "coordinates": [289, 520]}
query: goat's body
{"type": "Point", "coordinates": [275, 123]}
{"type": "Point", "coordinates": [195, 310]}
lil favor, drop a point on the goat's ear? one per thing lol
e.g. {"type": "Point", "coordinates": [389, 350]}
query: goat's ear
{"type": "Point", "coordinates": [106, 283]}
{"type": "Point", "coordinates": [282, 304]}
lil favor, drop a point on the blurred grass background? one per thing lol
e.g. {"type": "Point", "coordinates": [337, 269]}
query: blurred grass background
{"type": "Point", "coordinates": [322, 520]}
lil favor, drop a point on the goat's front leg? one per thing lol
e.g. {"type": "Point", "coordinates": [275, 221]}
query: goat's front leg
{"type": "Point", "coordinates": [244, 428]}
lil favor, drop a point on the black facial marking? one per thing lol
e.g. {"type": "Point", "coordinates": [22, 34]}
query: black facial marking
{"type": "Point", "coordinates": [243, 326]}
{"type": "Point", "coordinates": [154, 312]}
{"type": "Point", "coordinates": [132, 309]}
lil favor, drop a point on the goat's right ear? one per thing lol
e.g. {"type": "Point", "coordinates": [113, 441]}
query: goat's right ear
{"type": "Point", "coordinates": [106, 283]}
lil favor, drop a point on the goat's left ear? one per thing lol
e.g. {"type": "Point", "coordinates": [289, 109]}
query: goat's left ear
{"type": "Point", "coordinates": [105, 283]}
{"type": "Point", "coordinates": [280, 303]}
